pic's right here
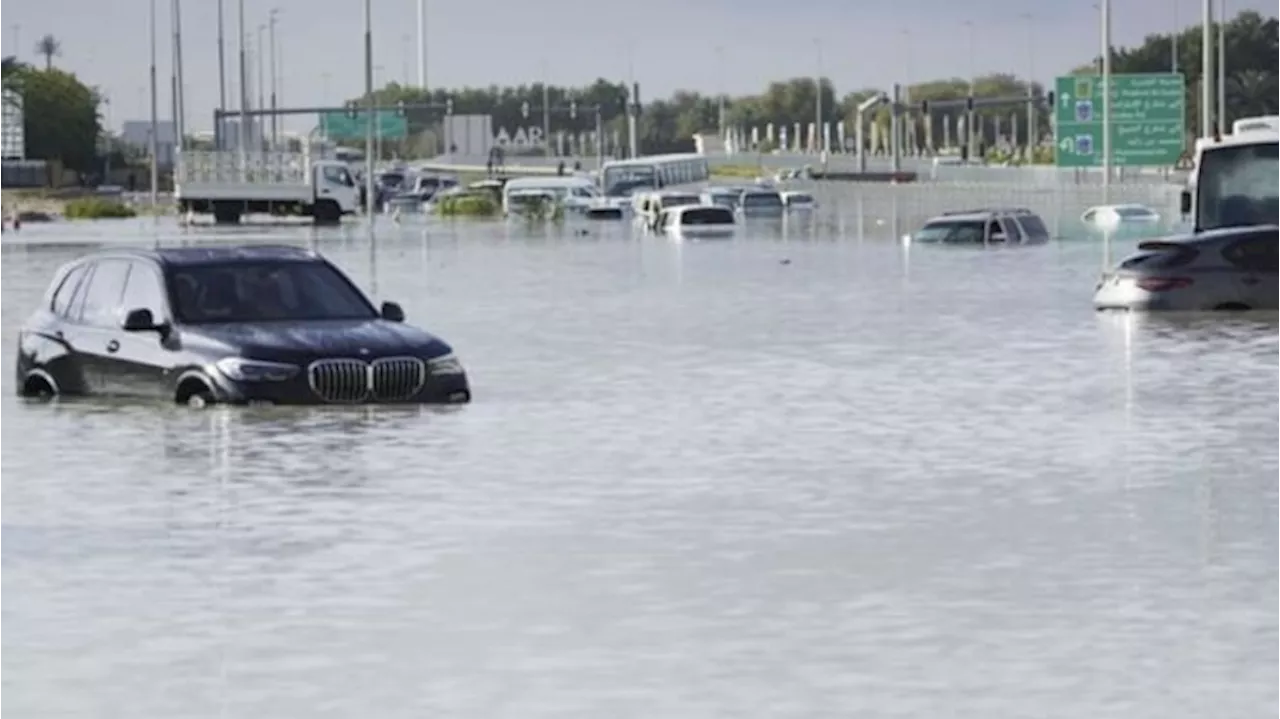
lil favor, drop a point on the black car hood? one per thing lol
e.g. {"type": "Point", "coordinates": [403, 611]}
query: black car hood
{"type": "Point", "coordinates": [305, 341]}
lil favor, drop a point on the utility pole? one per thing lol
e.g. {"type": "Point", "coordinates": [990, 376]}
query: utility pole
{"type": "Point", "coordinates": [181, 128]}
{"type": "Point", "coordinates": [271, 33]}
{"type": "Point", "coordinates": [155, 118]}
{"type": "Point", "coordinates": [1206, 71]}
{"type": "Point", "coordinates": [817, 100]}
{"type": "Point", "coordinates": [1222, 66]}
{"type": "Point", "coordinates": [222, 75]}
{"type": "Point", "coordinates": [370, 198]}
{"type": "Point", "coordinates": [546, 112]}
{"type": "Point", "coordinates": [422, 44]}
{"type": "Point", "coordinates": [241, 133]}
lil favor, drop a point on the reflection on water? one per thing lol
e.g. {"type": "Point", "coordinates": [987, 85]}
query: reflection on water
{"type": "Point", "coordinates": [802, 473]}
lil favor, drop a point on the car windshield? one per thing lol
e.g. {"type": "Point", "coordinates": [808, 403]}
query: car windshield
{"type": "Point", "coordinates": [765, 200]}
{"type": "Point", "coordinates": [951, 231]}
{"type": "Point", "coordinates": [1033, 226]}
{"type": "Point", "coordinates": [265, 292]}
{"type": "Point", "coordinates": [707, 216]}
{"type": "Point", "coordinates": [1237, 186]}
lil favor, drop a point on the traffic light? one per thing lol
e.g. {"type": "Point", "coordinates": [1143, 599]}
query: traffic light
{"type": "Point", "coordinates": [351, 109]}
{"type": "Point", "coordinates": [400, 108]}
{"type": "Point", "coordinates": [448, 106]}
{"type": "Point", "coordinates": [573, 109]}
{"type": "Point", "coordinates": [524, 109]}
{"type": "Point", "coordinates": [924, 107]}
{"type": "Point", "coordinates": [968, 103]}
{"type": "Point", "coordinates": [1052, 97]}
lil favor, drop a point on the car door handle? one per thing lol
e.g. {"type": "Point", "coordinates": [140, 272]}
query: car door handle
{"type": "Point", "coordinates": [112, 346]}
{"type": "Point", "coordinates": [1250, 280]}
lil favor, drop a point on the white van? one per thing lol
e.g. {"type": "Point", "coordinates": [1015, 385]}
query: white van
{"type": "Point", "coordinates": [577, 194]}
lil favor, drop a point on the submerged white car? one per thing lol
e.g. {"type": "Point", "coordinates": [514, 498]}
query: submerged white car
{"type": "Point", "coordinates": [1107, 217]}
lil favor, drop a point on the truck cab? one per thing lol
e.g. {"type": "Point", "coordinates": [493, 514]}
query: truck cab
{"type": "Point", "coordinates": [1234, 180]}
{"type": "Point", "coordinates": [331, 181]}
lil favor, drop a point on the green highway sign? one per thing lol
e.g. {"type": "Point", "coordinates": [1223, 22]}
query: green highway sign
{"type": "Point", "coordinates": [351, 126]}
{"type": "Point", "coordinates": [1148, 120]}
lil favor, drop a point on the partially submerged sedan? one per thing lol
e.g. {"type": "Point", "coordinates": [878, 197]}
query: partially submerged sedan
{"type": "Point", "coordinates": [1227, 269]}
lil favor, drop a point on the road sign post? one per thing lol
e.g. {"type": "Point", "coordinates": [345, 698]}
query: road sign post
{"type": "Point", "coordinates": [1148, 120]}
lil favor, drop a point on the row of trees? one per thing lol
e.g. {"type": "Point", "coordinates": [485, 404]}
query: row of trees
{"type": "Point", "coordinates": [667, 125]}
{"type": "Point", "coordinates": [62, 121]}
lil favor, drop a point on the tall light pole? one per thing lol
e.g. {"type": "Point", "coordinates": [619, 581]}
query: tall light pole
{"type": "Point", "coordinates": [1106, 122]}
{"type": "Point", "coordinates": [271, 35]}
{"type": "Point", "coordinates": [1173, 39]}
{"type": "Point", "coordinates": [422, 44]}
{"type": "Point", "coordinates": [242, 131]}
{"type": "Point", "coordinates": [1032, 134]}
{"type": "Point", "coordinates": [720, 91]}
{"type": "Point", "coordinates": [973, 78]}
{"type": "Point", "coordinates": [222, 75]}
{"type": "Point", "coordinates": [817, 100]}
{"type": "Point", "coordinates": [155, 117]}
{"type": "Point", "coordinates": [1222, 65]}
{"type": "Point", "coordinates": [370, 198]}
{"type": "Point", "coordinates": [1206, 70]}
{"type": "Point", "coordinates": [180, 116]}
{"type": "Point", "coordinates": [260, 51]}
{"type": "Point", "coordinates": [907, 128]}
{"type": "Point", "coordinates": [546, 111]}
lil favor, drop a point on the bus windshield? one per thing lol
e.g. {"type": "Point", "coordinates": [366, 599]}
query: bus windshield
{"type": "Point", "coordinates": [621, 181]}
{"type": "Point", "coordinates": [1236, 186]}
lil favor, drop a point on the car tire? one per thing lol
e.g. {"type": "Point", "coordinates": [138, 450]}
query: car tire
{"type": "Point", "coordinates": [194, 393]}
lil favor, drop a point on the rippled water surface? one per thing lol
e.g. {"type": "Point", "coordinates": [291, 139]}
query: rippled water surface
{"type": "Point", "coordinates": [803, 474]}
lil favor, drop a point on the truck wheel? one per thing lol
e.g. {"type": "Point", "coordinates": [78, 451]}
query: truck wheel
{"type": "Point", "coordinates": [226, 213]}
{"type": "Point", "coordinates": [326, 212]}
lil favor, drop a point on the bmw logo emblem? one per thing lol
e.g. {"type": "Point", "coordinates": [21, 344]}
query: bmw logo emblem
{"type": "Point", "coordinates": [364, 351]}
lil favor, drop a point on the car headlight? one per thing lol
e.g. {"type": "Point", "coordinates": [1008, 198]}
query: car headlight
{"type": "Point", "coordinates": [444, 364]}
{"type": "Point", "coordinates": [249, 370]}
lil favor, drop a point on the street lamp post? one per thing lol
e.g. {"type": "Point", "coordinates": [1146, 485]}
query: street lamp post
{"type": "Point", "coordinates": [275, 120]}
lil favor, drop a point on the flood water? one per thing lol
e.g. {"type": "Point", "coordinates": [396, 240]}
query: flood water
{"type": "Point", "coordinates": [789, 475]}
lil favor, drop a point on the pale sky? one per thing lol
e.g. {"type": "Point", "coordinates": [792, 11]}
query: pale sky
{"type": "Point", "coordinates": [664, 44]}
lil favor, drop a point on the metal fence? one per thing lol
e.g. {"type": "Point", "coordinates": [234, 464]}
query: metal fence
{"type": "Point", "coordinates": [877, 209]}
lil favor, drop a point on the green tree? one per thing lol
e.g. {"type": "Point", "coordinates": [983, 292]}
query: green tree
{"type": "Point", "coordinates": [60, 115]}
{"type": "Point", "coordinates": [48, 46]}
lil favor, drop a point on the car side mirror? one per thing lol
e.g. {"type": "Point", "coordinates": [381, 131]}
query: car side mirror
{"type": "Point", "coordinates": [140, 320]}
{"type": "Point", "coordinates": [392, 312]}
{"type": "Point", "coordinates": [1184, 202]}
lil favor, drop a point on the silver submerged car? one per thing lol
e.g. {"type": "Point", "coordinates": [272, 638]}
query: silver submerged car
{"type": "Point", "coordinates": [1225, 269]}
{"type": "Point", "coordinates": [987, 226]}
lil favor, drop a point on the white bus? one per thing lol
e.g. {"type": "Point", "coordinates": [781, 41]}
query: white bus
{"type": "Point", "coordinates": [1235, 177]}
{"type": "Point", "coordinates": [656, 172]}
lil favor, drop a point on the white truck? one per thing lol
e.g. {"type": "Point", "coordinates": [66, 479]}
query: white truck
{"type": "Point", "coordinates": [229, 185]}
{"type": "Point", "coordinates": [1234, 180]}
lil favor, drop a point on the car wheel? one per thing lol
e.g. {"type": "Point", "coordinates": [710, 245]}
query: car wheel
{"type": "Point", "coordinates": [194, 393]}
{"type": "Point", "coordinates": [39, 385]}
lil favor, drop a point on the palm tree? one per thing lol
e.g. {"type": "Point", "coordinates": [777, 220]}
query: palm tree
{"type": "Point", "coordinates": [48, 46]}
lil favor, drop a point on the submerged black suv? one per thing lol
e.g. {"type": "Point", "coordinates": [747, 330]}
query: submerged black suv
{"type": "Point", "coordinates": [271, 324]}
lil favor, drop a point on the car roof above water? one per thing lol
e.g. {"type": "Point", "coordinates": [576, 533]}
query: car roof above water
{"type": "Point", "coordinates": [214, 255]}
{"type": "Point", "coordinates": [984, 213]}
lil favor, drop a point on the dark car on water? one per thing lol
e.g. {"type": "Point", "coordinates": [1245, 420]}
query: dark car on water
{"type": "Point", "coordinates": [257, 324]}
